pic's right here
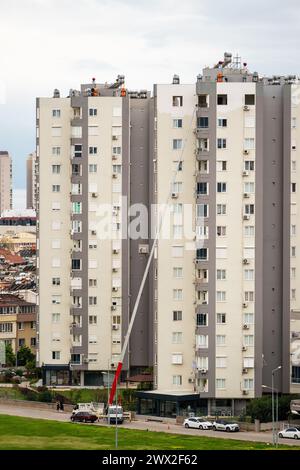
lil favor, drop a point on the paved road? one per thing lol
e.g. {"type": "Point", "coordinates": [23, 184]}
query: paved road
{"type": "Point", "coordinates": [265, 437]}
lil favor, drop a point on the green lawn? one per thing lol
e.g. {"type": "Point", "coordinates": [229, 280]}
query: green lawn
{"type": "Point", "coordinates": [18, 433]}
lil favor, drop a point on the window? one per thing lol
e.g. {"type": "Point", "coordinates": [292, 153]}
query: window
{"type": "Point", "coordinates": [221, 252]}
{"type": "Point", "coordinates": [203, 145]}
{"type": "Point", "coordinates": [249, 231]}
{"type": "Point", "coordinates": [177, 187]}
{"type": "Point", "coordinates": [202, 231]}
{"type": "Point", "coordinates": [202, 188]}
{"type": "Point", "coordinates": [293, 273]}
{"type": "Point", "coordinates": [202, 254]}
{"type": "Point", "coordinates": [56, 188]}
{"type": "Point", "coordinates": [295, 375]}
{"type": "Point", "coordinates": [221, 165]}
{"type": "Point", "coordinates": [77, 151]}
{"type": "Point", "coordinates": [202, 319]}
{"type": "Point", "coordinates": [76, 264]}
{"type": "Point", "coordinates": [249, 188]}
{"type": "Point", "coordinates": [55, 225]}
{"type": "Point", "coordinates": [220, 340]}
{"type": "Point", "coordinates": [56, 113]}
{"type": "Point", "coordinates": [177, 315]}
{"type": "Point", "coordinates": [21, 342]}
{"type": "Point", "coordinates": [221, 362]}
{"type": "Point", "coordinates": [202, 122]}
{"type": "Point", "coordinates": [293, 294]}
{"type": "Point", "coordinates": [117, 169]}
{"type": "Point", "coordinates": [249, 100]}
{"type": "Point", "coordinates": [92, 282]}
{"type": "Point", "coordinates": [249, 274]}
{"type": "Point", "coordinates": [177, 359]}
{"type": "Point", "coordinates": [202, 210]}
{"type": "Point", "coordinates": [221, 209]}
{"type": "Point", "coordinates": [222, 122]}
{"type": "Point", "coordinates": [93, 168]}
{"type": "Point", "coordinates": [249, 209]}
{"type": "Point", "coordinates": [178, 273]}
{"type": "Point", "coordinates": [248, 384]}
{"type": "Point", "coordinates": [55, 206]}
{"type": "Point", "coordinates": [93, 130]}
{"type": "Point", "coordinates": [202, 341]}
{"type": "Point", "coordinates": [293, 230]}
{"type": "Point", "coordinates": [177, 208]}
{"type": "Point", "coordinates": [222, 100]}
{"type": "Point", "coordinates": [249, 318]}
{"type": "Point", "coordinates": [76, 207]}
{"type": "Point", "coordinates": [116, 150]}
{"type": "Point", "coordinates": [202, 362]}
{"type": "Point", "coordinates": [249, 165]}
{"type": "Point", "coordinates": [221, 274]}
{"type": "Point", "coordinates": [56, 355]}
{"type": "Point", "coordinates": [221, 318]}
{"type": "Point", "coordinates": [177, 251]}
{"type": "Point", "coordinates": [56, 132]}
{"type": "Point", "coordinates": [203, 101]}
{"type": "Point", "coordinates": [221, 230]}
{"type": "Point", "coordinates": [249, 252]}
{"type": "Point", "coordinates": [76, 132]}
{"type": "Point", "coordinates": [221, 187]}
{"type": "Point", "coordinates": [249, 296]}
{"type": "Point", "coordinates": [248, 362]}
{"type": "Point", "coordinates": [93, 150]}
{"type": "Point", "coordinates": [294, 165]}
{"type": "Point", "coordinates": [33, 342]}
{"type": "Point", "coordinates": [177, 294]}
{"type": "Point", "coordinates": [7, 327]}
{"type": "Point", "coordinates": [56, 299]}
{"type": "Point", "coordinates": [294, 122]}
{"type": "Point", "coordinates": [56, 151]}
{"type": "Point", "coordinates": [76, 169]}
{"type": "Point", "coordinates": [75, 359]}
{"type": "Point", "coordinates": [177, 123]}
{"type": "Point", "coordinates": [56, 169]}
{"type": "Point", "coordinates": [220, 384]}
{"type": "Point", "coordinates": [93, 112]}
{"type": "Point", "coordinates": [221, 143]}
{"type": "Point", "coordinates": [177, 380]}
{"type": "Point", "coordinates": [249, 340]}
{"type": "Point", "coordinates": [221, 296]}
{"type": "Point", "coordinates": [93, 319]}
{"type": "Point", "coordinates": [249, 121]}
{"type": "Point", "coordinates": [177, 101]}
{"type": "Point", "coordinates": [92, 300]}
{"type": "Point", "coordinates": [203, 167]}
{"type": "Point", "coordinates": [177, 144]}
{"type": "Point", "coordinates": [293, 251]}
{"type": "Point", "coordinates": [177, 337]}
{"type": "Point", "coordinates": [33, 325]}
{"type": "Point", "coordinates": [56, 281]}
{"type": "Point", "coordinates": [55, 317]}
{"type": "Point", "coordinates": [293, 187]}
{"type": "Point", "coordinates": [249, 143]}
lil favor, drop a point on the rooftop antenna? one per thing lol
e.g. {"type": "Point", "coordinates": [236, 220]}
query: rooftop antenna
{"type": "Point", "coordinates": [236, 62]}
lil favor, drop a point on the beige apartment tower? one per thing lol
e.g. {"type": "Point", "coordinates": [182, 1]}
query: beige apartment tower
{"type": "Point", "coordinates": [31, 181]}
{"type": "Point", "coordinates": [6, 201]}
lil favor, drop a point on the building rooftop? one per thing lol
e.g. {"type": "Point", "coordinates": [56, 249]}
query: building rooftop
{"type": "Point", "coordinates": [7, 300]}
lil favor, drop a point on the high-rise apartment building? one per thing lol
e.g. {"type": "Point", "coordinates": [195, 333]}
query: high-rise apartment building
{"type": "Point", "coordinates": [92, 155]}
{"type": "Point", "coordinates": [6, 201]}
{"type": "Point", "coordinates": [31, 181]}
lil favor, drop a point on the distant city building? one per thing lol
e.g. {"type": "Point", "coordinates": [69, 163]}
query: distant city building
{"type": "Point", "coordinates": [17, 322]}
{"type": "Point", "coordinates": [17, 221]}
{"type": "Point", "coordinates": [6, 201]}
{"type": "Point", "coordinates": [31, 181]}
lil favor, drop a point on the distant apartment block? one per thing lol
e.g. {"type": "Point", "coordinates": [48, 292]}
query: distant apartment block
{"type": "Point", "coordinates": [5, 182]}
{"type": "Point", "coordinates": [31, 181]}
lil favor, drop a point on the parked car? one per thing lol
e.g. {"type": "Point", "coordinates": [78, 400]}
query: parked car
{"type": "Point", "coordinates": [290, 433]}
{"type": "Point", "coordinates": [197, 423]}
{"type": "Point", "coordinates": [222, 425]}
{"type": "Point", "coordinates": [84, 417]}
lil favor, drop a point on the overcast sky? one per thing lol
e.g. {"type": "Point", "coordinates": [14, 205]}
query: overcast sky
{"type": "Point", "coordinates": [47, 44]}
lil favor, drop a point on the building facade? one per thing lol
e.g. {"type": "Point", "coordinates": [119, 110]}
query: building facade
{"type": "Point", "coordinates": [31, 181]}
{"type": "Point", "coordinates": [6, 194]}
{"type": "Point", "coordinates": [92, 156]}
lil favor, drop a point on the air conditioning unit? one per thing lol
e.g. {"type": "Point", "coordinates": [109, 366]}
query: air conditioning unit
{"type": "Point", "coordinates": [246, 195]}
{"type": "Point", "coordinates": [245, 392]}
{"type": "Point", "coordinates": [93, 232]}
{"type": "Point", "coordinates": [245, 371]}
{"type": "Point", "coordinates": [246, 152]}
{"type": "Point", "coordinates": [114, 365]}
{"type": "Point", "coordinates": [114, 137]}
{"type": "Point", "coordinates": [244, 348]}
{"type": "Point", "coordinates": [116, 251]}
{"type": "Point", "coordinates": [114, 307]}
{"type": "Point", "coordinates": [174, 195]}
{"type": "Point", "coordinates": [144, 250]}
{"type": "Point", "coordinates": [246, 217]}
{"type": "Point", "coordinates": [94, 194]}
{"type": "Point", "coordinates": [246, 327]}
{"type": "Point", "coordinates": [115, 289]}
{"type": "Point", "coordinates": [115, 270]}
{"type": "Point", "coordinates": [114, 212]}
{"type": "Point", "coordinates": [191, 381]}
{"type": "Point", "coordinates": [85, 360]}
{"type": "Point", "coordinates": [245, 261]}
{"type": "Point", "coordinates": [204, 303]}
{"type": "Point", "coordinates": [203, 371]}
{"type": "Point", "coordinates": [115, 175]}
{"type": "Point", "coordinates": [114, 157]}
{"type": "Point", "coordinates": [245, 305]}
{"type": "Point", "coordinates": [246, 108]}
{"type": "Point", "coordinates": [245, 173]}
{"type": "Point", "coordinates": [115, 327]}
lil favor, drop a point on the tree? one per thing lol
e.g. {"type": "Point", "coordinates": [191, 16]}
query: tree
{"type": "Point", "coordinates": [25, 355]}
{"type": "Point", "coordinates": [10, 356]}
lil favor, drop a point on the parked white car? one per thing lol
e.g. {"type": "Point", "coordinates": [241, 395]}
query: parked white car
{"type": "Point", "coordinates": [197, 423]}
{"type": "Point", "coordinates": [290, 433]}
{"type": "Point", "coordinates": [222, 425]}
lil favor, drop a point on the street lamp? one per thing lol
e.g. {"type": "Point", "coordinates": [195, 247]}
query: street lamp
{"type": "Point", "coordinates": [273, 426]}
{"type": "Point", "coordinates": [273, 408]}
